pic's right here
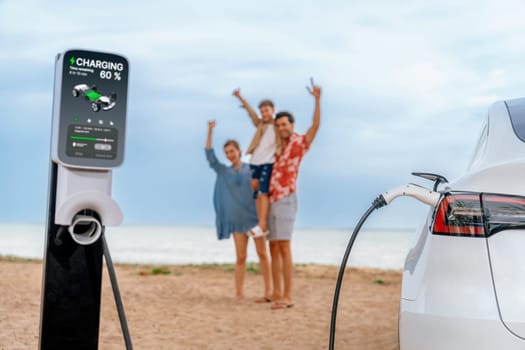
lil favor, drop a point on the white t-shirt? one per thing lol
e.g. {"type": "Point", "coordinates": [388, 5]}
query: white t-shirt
{"type": "Point", "coordinates": [264, 153]}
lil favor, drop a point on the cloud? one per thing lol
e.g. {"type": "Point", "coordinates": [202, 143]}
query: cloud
{"type": "Point", "coordinates": [405, 84]}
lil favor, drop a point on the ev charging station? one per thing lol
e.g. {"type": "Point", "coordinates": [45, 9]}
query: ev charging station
{"type": "Point", "coordinates": [87, 141]}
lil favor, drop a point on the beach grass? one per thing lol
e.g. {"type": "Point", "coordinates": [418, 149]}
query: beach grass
{"type": "Point", "coordinates": [13, 258]}
{"type": "Point", "coordinates": [304, 270]}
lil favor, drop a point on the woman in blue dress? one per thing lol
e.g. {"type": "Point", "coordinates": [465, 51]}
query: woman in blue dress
{"type": "Point", "coordinates": [235, 210]}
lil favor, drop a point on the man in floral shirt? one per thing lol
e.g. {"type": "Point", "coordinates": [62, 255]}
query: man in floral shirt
{"type": "Point", "coordinates": [283, 208]}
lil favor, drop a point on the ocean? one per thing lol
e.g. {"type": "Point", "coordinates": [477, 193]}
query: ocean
{"type": "Point", "coordinates": [385, 249]}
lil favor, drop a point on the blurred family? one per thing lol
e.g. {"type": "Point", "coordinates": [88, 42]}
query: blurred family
{"type": "Point", "coordinates": [259, 199]}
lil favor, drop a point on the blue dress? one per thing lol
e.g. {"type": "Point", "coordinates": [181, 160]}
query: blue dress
{"type": "Point", "coordinates": [232, 198]}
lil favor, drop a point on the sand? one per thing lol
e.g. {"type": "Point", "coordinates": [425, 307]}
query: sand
{"type": "Point", "coordinates": [192, 307]}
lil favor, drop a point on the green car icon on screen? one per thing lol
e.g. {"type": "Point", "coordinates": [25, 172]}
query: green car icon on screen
{"type": "Point", "coordinates": [95, 98]}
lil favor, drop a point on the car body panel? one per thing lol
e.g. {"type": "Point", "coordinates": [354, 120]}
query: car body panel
{"type": "Point", "coordinates": [415, 267]}
{"type": "Point", "coordinates": [505, 178]}
{"type": "Point", "coordinates": [502, 143]}
{"type": "Point", "coordinates": [448, 301]}
{"type": "Point", "coordinates": [469, 292]}
{"type": "Point", "coordinates": [455, 282]}
{"type": "Point", "coordinates": [446, 332]}
{"type": "Point", "coordinates": [508, 268]}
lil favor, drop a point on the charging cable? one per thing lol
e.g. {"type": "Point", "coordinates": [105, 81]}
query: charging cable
{"type": "Point", "coordinates": [418, 192]}
{"type": "Point", "coordinates": [116, 294]}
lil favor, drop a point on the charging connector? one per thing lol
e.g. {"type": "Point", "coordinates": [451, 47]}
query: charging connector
{"type": "Point", "coordinates": [420, 193]}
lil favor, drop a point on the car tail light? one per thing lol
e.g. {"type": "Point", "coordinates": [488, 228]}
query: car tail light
{"type": "Point", "coordinates": [459, 215]}
{"type": "Point", "coordinates": [503, 212]}
{"type": "Point", "coordinates": [478, 214]}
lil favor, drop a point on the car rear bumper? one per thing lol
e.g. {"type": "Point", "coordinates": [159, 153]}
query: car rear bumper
{"type": "Point", "coordinates": [431, 332]}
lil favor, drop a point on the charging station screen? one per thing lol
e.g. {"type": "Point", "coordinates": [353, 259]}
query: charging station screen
{"type": "Point", "coordinates": [93, 99]}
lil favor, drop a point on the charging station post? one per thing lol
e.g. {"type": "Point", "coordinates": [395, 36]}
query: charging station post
{"type": "Point", "coordinates": [88, 132]}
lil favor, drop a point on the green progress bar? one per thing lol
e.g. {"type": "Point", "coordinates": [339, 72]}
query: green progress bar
{"type": "Point", "coordinates": [83, 138]}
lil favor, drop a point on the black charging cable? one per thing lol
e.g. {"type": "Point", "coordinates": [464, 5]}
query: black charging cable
{"type": "Point", "coordinates": [116, 294]}
{"type": "Point", "coordinates": [378, 203]}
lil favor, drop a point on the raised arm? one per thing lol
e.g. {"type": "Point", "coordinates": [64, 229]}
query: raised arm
{"type": "Point", "coordinates": [315, 91]}
{"type": "Point", "coordinates": [211, 125]}
{"type": "Point", "coordinates": [210, 154]}
{"type": "Point", "coordinates": [251, 112]}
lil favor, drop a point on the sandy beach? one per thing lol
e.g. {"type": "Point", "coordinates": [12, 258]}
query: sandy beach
{"type": "Point", "coordinates": [192, 307]}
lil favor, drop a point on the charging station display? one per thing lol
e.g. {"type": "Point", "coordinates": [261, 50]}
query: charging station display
{"type": "Point", "coordinates": [89, 117]}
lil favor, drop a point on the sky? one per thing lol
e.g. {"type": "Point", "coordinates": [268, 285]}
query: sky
{"type": "Point", "coordinates": [406, 85]}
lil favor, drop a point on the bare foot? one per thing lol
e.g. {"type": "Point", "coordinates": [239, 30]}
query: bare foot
{"type": "Point", "coordinates": [276, 297]}
{"type": "Point", "coordinates": [282, 304]}
{"type": "Point", "coordinates": [261, 300]}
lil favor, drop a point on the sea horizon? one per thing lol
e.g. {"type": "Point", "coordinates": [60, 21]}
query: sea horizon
{"type": "Point", "coordinates": [191, 244]}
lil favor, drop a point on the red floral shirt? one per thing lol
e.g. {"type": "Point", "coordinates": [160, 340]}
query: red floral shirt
{"type": "Point", "coordinates": [286, 168]}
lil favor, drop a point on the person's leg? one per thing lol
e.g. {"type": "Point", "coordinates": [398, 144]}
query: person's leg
{"type": "Point", "coordinates": [263, 205]}
{"type": "Point", "coordinates": [286, 256]}
{"type": "Point", "coordinates": [285, 252]}
{"type": "Point", "coordinates": [276, 270]}
{"type": "Point", "coordinates": [256, 173]}
{"type": "Point", "coordinates": [241, 244]}
{"type": "Point", "coordinates": [255, 185]}
{"type": "Point", "coordinates": [257, 200]}
{"type": "Point", "coordinates": [264, 263]}
{"type": "Point", "coordinates": [287, 209]}
{"type": "Point", "coordinates": [263, 198]}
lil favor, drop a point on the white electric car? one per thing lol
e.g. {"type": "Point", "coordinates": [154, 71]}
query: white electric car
{"type": "Point", "coordinates": [464, 278]}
